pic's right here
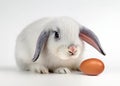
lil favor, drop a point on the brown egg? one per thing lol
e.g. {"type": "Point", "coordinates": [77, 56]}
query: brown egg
{"type": "Point", "coordinates": [92, 66]}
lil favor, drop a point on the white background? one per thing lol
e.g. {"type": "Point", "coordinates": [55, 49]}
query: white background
{"type": "Point", "coordinates": [101, 16]}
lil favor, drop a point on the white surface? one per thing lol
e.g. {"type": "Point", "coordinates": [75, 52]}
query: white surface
{"type": "Point", "coordinates": [101, 16]}
{"type": "Point", "coordinates": [13, 77]}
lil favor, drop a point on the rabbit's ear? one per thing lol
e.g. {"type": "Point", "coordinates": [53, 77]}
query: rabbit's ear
{"type": "Point", "coordinates": [89, 37]}
{"type": "Point", "coordinates": [40, 43]}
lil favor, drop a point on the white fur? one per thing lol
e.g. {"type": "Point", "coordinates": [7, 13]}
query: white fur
{"type": "Point", "coordinates": [55, 55]}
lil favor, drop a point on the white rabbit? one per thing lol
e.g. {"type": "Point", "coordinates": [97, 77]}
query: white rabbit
{"type": "Point", "coordinates": [53, 44]}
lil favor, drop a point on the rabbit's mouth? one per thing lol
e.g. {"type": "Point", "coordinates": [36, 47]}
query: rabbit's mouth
{"type": "Point", "coordinates": [68, 52]}
{"type": "Point", "coordinates": [68, 55]}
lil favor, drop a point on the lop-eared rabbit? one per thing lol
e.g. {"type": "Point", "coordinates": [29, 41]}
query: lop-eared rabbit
{"type": "Point", "coordinates": [53, 44]}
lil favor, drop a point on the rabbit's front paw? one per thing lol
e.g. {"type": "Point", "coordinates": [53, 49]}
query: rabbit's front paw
{"type": "Point", "coordinates": [62, 70]}
{"type": "Point", "coordinates": [40, 69]}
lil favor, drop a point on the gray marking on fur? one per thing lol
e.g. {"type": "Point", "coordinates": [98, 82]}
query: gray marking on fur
{"type": "Point", "coordinates": [40, 42]}
{"type": "Point", "coordinates": [92, 35]}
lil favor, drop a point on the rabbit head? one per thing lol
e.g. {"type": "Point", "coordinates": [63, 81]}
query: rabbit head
{"type": "Point", "coordinates": [64, 38]}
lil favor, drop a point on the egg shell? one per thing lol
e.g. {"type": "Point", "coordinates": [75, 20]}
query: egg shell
{"type": "Point", "coordinates": [92, 66]}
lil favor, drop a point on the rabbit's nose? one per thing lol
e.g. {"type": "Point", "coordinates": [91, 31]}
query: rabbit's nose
{"type": "Point", "coordinates": [72, 49]}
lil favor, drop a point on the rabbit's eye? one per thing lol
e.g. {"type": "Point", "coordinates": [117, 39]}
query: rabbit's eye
{"type": "Point", "coordinates": [57, 36]}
